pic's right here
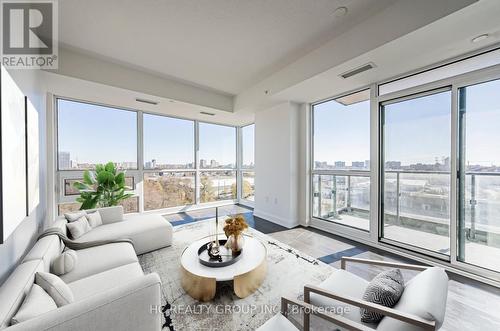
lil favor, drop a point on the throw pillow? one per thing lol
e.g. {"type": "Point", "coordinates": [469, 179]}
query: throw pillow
{"type": "Point", "coordinates": [386, 290]}
{"type": "Point", "coordinates": [71, 217]}
{"type": "Point", "coordinates": [79, 227]}
{"type": "Point", "coordinates": [64, 263]}
{"type": "Point", "coordinates": [55, 287]}
{"type": "Point", "coordinates": [94, 219]}
{"type": "Point", "coordinates": [36, 303]}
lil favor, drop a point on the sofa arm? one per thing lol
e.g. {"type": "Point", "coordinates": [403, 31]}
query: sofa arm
{"type": "Point", "coordinates": [130, 307]}
{"type": "Point", "coordinates": [111, 214]}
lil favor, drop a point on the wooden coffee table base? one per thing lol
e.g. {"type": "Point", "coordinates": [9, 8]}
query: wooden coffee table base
{"type": "Point", "coordinates": [203, 289]}
{"type": "Point", "coordinates": [199, 288]}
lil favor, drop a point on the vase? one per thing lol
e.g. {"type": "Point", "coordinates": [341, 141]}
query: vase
{"type": "Point", "coordinates": [235, 243]}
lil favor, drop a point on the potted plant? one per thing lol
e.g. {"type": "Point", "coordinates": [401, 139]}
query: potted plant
{"type": "Point", "coordinates": [233, 228]}
{"type": "Point", "coordinates": [104, 187]}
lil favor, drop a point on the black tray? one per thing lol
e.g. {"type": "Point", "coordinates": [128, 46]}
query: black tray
{"type": "Point", "coordinates": [228, 257]}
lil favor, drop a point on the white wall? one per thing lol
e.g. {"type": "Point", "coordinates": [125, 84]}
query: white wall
{"type": "Point", "coordinates": [23, 237]}
{"type": "Point", "coordinates": [277, 164]}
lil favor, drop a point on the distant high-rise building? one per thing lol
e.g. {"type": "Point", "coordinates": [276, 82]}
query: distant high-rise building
{"type": "Point", "coordinates": [213, 164]}
{"type": "Point", "coordinates": [64, 160]}
{"type": "Point", "coordinates": [393, 164]}
{"type": "Point", "coordinates": [339, 164]}
{"type": "Point", "coordinates": [367, 164]}
{"type": "Point", "coordinates": [358, 164]}
{"type": "Point", "coordinates": [203, 163]}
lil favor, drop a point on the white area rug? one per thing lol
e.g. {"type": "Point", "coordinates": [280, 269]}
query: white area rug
{"type": "Point", "coordinates": [288, 271]}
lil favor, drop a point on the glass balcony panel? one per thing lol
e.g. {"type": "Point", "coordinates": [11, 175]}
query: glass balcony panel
{"type": "Point", "coordinates": [342, 199]}
{"type": "Point", "coordinates": [217, 186]}
{"type": "Point", "coordinates": [248, 189]}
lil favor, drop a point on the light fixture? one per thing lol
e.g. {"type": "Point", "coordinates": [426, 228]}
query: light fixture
{"type": "Point", "coordinates": [480, 38]}
{"type": "Point", "coordinates": [207, 113]}
{"type": "Point", "coordinates": [340, 11]}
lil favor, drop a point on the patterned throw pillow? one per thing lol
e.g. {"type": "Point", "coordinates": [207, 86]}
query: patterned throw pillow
{"type": "Point", "coordinates": [386, 290]}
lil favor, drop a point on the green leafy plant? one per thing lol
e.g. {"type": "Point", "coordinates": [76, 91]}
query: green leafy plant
{"type": "Point", "coordinates": [104, 187]}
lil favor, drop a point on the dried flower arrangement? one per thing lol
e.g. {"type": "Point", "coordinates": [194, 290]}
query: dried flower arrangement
{"type": "Point", "coordinates": [235, 225]}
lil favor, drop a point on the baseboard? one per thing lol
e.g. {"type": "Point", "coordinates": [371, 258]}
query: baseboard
{"type": "Point", "coordinates": [276, 219]}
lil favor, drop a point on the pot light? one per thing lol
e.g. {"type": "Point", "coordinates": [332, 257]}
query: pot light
{"type": "Point", "coordinates": [480, 38]}
{"type": "Point", "coordinates": [340, 11]}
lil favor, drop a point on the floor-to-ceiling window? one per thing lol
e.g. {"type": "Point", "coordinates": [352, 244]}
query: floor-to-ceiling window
{"type": "Point", "coordinates": [179, 163]}
{"type": "Point", "coordinates": [217, 160]}
{"type": "Point", "coordinates": [479, 192]}
{"type": "Point", "coordinates": [169, 176]}
{"type": "Point", "coordinates": [435, 168]}
{"type": "Point", "coordinates": [341, 160]}
{"type": "Point", "coordinates": [247, 163]}
{"type": "Point", "coordinates": [86, 138]}
{"type": "Point", "coordinates": [416, 144]}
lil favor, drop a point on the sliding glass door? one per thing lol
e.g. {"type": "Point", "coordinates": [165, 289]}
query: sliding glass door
{"type": "Point", "coordinates": [415, 171]}
{"type": "Point", "coordinates": [479, 175]}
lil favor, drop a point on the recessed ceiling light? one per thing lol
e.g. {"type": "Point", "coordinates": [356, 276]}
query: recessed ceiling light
{"type": "Point", "coordinates": [340, 11]}
{"type": "Point", "coordinates": [480, 38]}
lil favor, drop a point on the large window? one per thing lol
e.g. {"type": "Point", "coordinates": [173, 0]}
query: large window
{"type": "Point", "coordinates": [248, 160]}
{"type": "Point", "coordinates": [416, 170]}
{"type": "Point", "coordinates": [434, 178]}
{"type": "Point", "coordinates": [479, 215]}
{"type": "Point", "coordinates": [341, 179]}
{"type": "Point", "coordinates": [217, 146]}
{"type": "Point", "coordinates": [169, 177]}
{"type": "Point", "coordinates": [89, 134]}
{"type": "Point", "coordinates": [168, 142]}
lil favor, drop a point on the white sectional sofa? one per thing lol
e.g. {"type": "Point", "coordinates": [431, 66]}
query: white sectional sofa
{"type": "Point", "coordinates": [110, 290]}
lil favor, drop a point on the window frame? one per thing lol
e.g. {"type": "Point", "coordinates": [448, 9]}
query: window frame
{"type": "Point", "coordinates": [241, 169]}
{"type": "Point", "coordinates": [351, 230]}
{"type": "Point", "coordinates": [373, 238]}
{"type": "Point", "coordinates": [138, 174]}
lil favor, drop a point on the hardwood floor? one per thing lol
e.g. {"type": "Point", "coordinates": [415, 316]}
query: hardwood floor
{"type": "Point", "coordinates": [471, 305]}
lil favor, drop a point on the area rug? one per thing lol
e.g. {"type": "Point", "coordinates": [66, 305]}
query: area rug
{"type": "Point", "coordinates": [288, 271]}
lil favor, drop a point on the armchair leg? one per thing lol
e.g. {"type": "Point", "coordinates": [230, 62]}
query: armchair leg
{"type": "Point", "coordinates": [307, 316]}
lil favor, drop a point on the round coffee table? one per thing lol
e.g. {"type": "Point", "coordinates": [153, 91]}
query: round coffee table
{"type": "Point", "coordinates": [247, 274]}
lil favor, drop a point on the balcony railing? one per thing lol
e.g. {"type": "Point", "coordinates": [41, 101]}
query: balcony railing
{"type": "Point", "coordinates": [413, 198]}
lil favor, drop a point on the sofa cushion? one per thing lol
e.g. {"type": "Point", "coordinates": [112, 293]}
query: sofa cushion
{"type": "Point", "coordinates": [424, 296]}
{"type": "Point", "coordinates": [74, 216]}
{"type": "Point", "coordinates": [48, 248]}
{"type": "Point", "coordinates": [64, 263]}
{"type": "Point", "coordinates": [278, 322]}
{"type": "Point", "coordinates": [105, 280]}
{"type": "Point", "coordinates": [109, 214]}
{"type": "Point", "coordinates": [97, 259]}
{"type": "Point", "coordinates": [36, 303]}
{"type": "Point", "coordinates": [148, 232]}
{"type": "Point", "coordinates": [94, 219]}
{"type": "Point", "coordinates": [79, 227]}
{"type": "Point", "coordinates": [55, 287]}
{"type": "Point", "coordinates": [344, 283]}
{"type": "Point", "coordinates": [384, 289]}
{"type": "Point", "coordinates": [15, 289]}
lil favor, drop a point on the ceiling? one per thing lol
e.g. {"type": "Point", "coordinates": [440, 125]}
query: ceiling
{"type": "Point", "coordinates": [224, 45]}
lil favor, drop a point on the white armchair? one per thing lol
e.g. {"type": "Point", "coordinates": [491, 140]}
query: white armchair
{"type": "Point", "coordinates": [421, 307]}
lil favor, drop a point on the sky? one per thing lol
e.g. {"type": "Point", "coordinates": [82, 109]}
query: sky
{"type": "Point", "coordinates": [97, 134]}
{"type": "Point", "coordinates": [417, 130]}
